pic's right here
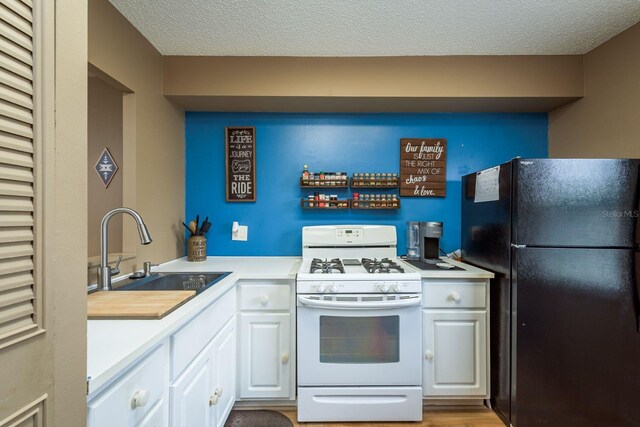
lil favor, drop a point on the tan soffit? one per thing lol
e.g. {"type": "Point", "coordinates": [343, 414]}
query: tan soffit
{"type": "Point", "coordinates": [389, 84]}
{"type": "Point", "coordinates": [378, 27]}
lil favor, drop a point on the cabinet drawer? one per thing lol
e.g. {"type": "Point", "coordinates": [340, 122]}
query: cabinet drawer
{"type": "Point", "coordinates": [133, 397]}
{"type": "Point", "coordinates": [265, 297]}
{"type": "Point", "coordinates": [187, 342]}
{"type": "Point", "coordinates": [454, 293]}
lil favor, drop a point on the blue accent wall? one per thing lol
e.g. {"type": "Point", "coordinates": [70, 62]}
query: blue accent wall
{"type": "Point", "coordinates": [339, 142]}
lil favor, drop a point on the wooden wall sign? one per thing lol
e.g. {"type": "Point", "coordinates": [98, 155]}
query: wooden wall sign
{"type": "Point", "coordinates": [423, 167]}
{"type": "Point", "coordinates": [240, 164]}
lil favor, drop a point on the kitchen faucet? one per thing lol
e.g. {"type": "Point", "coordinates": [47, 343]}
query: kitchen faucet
{"type": "Point", "coordinates": [104, 271]}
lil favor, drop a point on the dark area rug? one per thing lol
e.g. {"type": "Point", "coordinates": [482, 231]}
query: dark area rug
{"type": "Point", "coordinates": [257, 418]}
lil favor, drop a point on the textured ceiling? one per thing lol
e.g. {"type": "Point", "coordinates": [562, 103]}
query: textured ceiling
{"type": "Point", "coordinates": [378, 27]}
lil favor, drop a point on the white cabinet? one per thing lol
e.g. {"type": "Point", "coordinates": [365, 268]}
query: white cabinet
{"type": "Point", "coordinates": [190, 393]}
{"type": "Point", "coordinates": [265, 355]}
{"type": "Point", "coordinates": [205, 392]}
{"type": "Point", "coordinates": [266, 346]}
{"type": "Point", "coordinates": [455, 328]}
{"type": "Point", "coordinates": [455, 353]}
{"type": "Point", "coordinates": [224, 373]}
{"type": "Point", "coordinates": [136, 396]}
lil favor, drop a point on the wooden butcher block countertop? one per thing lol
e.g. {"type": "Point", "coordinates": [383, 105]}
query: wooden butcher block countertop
{"type": "Point", "coordinates": [135, 304]}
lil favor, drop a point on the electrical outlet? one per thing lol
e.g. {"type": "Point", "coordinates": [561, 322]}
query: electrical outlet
{"type": "Point", "coordinates": [241, 234]}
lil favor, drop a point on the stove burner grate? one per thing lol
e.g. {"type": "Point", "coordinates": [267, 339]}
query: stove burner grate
{"type": "Point", "coordinates": [385, 265]}
{"type": "Point", "coordinates": [319, 266]}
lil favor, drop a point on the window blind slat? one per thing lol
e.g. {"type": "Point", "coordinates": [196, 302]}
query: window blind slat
{"type": "Point", "coordinates": [15, 112]}
{"type": "Point", "coordinates": [16, 20]}
{"type": "Point", "coordinates": [15, 127]}
{"type": "Point", "coordinates": [16, 97]}
{"type": "Point", "coordinates": [16, 188]}
{"type": "Point", "coordinates": [17, 287]}
{"type": "Point", "coordinates": [16, 250]}
{"type": "Point", "coordinates": [16, 265]}
{"type": "Point", "coordinates": [10, 281]}
{"type": "Point", "coordinates": [16, 219]}
{"type": "Point", "coordinates": [16, 204]}
{"type": "Point", "coordinates": [16, 173]}
{"type": "Point", "coordinates": [16, 295]}
{"type": "Point", "coordinates": [16, 158]}
{"type": "Point", "coordinates": [17, 52]}
{"type": "Point", "coordinates": [16, 234]}
{"type": "Point", "coordinates": [20, 8]}
{"type": "Point", "coordinates": [15, 75]}
{"type": "Point", "coordinates": [14, 142]}
{"type": "Point", "coordinates": [10, 32]}
{"type": "Point", "coordinates": [15, 316]}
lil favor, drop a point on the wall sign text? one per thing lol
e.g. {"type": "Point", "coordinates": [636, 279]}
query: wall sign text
{"type": "Point", "coordinates": [240, 164]}
{"type": "Point", "coordinates": [423, 167]}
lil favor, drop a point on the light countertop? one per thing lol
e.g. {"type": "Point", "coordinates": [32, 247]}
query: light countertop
{"type": "Point", "coordinates": [245, 267]}
{"type": "Point", "coordinates": [113, 345]}
{"type": "Point", "coordinates": [468, 272]}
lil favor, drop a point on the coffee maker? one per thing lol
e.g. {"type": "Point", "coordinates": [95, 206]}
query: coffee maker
{"type": "Point", "coordinates": [423, 241]}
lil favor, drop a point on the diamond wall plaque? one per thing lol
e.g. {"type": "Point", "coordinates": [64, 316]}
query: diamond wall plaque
{"type": "Point", "coordinates": [106, 167]}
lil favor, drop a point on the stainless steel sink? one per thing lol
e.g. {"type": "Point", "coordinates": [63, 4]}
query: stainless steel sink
{"type": "Point", "coordinates": [198, 282]}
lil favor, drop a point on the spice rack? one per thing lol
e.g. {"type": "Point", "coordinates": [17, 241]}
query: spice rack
{"type": "Point", "coordinates": [325, 204]}
{"type": "Point", "coordinates": [393, 203]}
{"type": "Point", "coordinates": [340, 180]}
{"type": "Point", "coordinates": [325, 183]}
{"type": "Point", "coordinates": [374, 180]}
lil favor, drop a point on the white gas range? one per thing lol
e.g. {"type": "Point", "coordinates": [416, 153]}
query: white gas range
{"type": "Point", "coordinates": [359, 327]}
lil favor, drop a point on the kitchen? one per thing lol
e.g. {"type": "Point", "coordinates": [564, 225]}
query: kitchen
{"type": "Point", "coordinates": [556, 101]}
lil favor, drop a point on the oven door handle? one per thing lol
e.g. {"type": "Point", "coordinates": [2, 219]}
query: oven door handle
{"type": "Point", "coordinates": [360, 305]}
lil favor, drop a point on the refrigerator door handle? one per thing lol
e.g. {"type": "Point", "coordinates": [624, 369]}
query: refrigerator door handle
{"type": "Point", "coordinates": [636, 288]}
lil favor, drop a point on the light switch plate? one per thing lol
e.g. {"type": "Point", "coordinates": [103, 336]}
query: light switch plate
{"type": "Point", "coordinates": [241, 234]}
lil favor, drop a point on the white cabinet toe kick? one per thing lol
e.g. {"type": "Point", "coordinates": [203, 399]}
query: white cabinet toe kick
{"type": "Point", "coordinates": [320, 404]}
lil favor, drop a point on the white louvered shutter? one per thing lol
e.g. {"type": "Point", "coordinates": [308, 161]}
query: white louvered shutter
{"type": "Point", "coordinates": [17, 289]}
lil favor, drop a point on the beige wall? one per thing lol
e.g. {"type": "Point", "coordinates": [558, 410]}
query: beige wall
{"type": "Point", "coordinates": [471, 83]}
{"type": "Point", "coordinates": [66, 242]}
{"type": "Point", "coordinates": [606, 122]}
{"type": "Point", "coordinates": [117, 49]}
{"type": "Point", "coordinates": [105, 130]}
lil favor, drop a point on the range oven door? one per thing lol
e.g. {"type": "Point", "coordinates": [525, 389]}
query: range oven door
{"type": "Point", "coordinates": [359, 340]}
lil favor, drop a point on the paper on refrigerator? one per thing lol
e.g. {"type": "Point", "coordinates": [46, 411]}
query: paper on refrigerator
{"type": "Point", "coordinates": [488, 185]}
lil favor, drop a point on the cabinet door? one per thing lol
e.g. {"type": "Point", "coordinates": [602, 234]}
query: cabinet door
{"type": "Point", "coordinates": [455, 354]}
{"type": "Point", "coordinates": [156, 417]}
{"type": "Point", "coordinates": [265, 371]}
{"type": "Point", "coordinates": [224, 373]}
{"type": "Point", "coordinates": [191, 392]}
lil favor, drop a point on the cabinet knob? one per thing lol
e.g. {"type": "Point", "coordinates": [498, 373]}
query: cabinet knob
{"type": "Point", "coordinates": [454, 296]}
{"type": "Point", "coordinates": [213, 400]}
{"type": "Point", "coordinates": [285, 358]}
{"type": "Point", "coordinates": [428, 355]}
{"type": "Point", "coordinates": [264, 299]}
{"type": "Point", "coordinates": [140, 398]}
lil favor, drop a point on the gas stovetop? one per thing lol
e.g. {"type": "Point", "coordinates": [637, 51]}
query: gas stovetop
{"type": "Point", "coordinates": [356, 275]}
{"type": "Point", "coordinates": [353, 259]}
{"type": "Point", "coordinates": [354, 265]}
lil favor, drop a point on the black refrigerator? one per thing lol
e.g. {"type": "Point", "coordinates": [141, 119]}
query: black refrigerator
{"type": "Point", "coordinates": [562, 237]}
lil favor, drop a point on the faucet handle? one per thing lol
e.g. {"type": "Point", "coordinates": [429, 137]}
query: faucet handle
{"type": "Point", "coordinates": [116, 270]}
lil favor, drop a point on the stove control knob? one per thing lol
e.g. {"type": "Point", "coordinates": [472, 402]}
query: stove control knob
{"type": "Point", "coordinates": [334, 288]}
{"type": "Point", "coordinates": [384, 288]}
{"type": "Point", "coordinates": [321, 288]}
{"type": "Point", "coordinates": [396, 288]}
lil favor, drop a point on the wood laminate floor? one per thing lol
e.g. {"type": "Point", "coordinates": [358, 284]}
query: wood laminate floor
{"type": "Point", "coordinates": [436, 417]}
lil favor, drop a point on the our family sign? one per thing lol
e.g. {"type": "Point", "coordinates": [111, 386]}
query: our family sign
{"type": "Point", "coordinates": [423, 167]}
